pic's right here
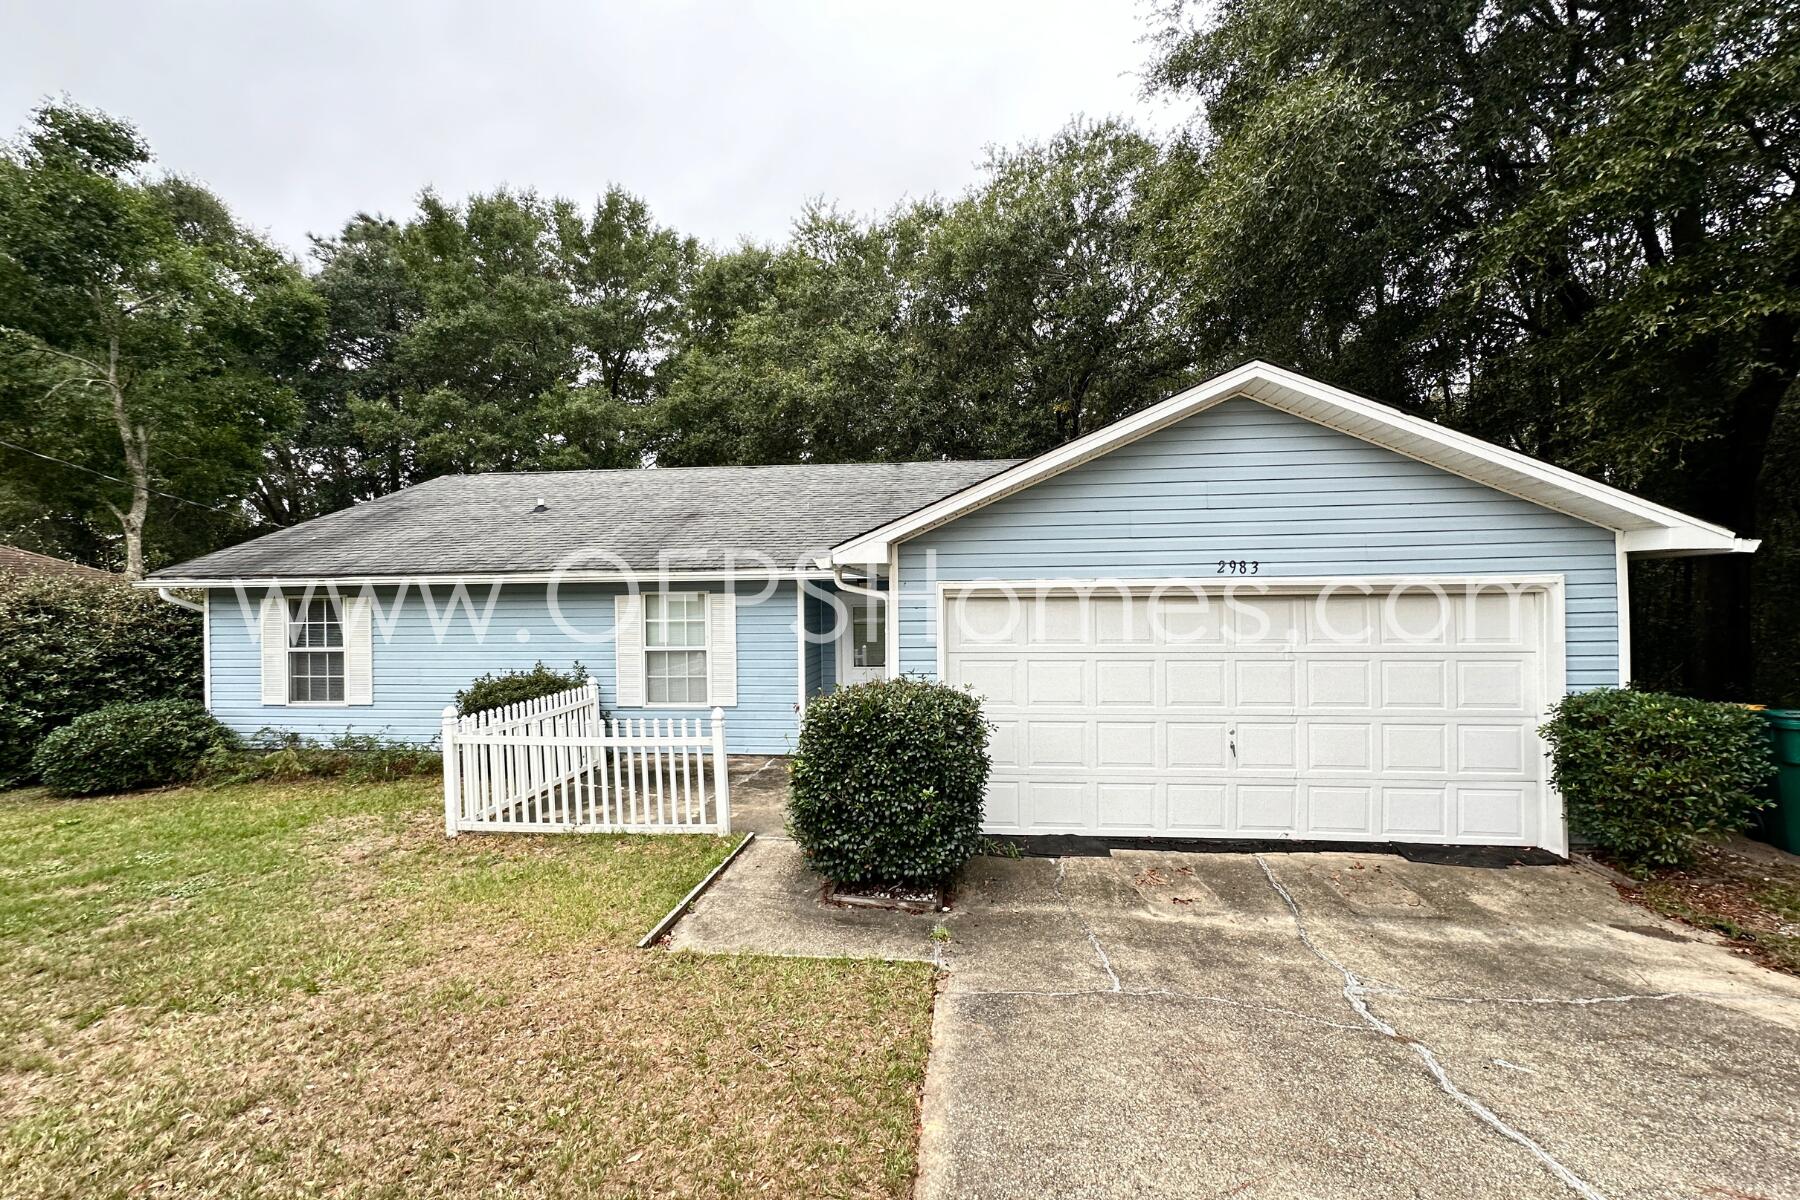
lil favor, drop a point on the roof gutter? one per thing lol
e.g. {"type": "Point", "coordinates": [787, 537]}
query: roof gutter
{"type": "Point", "coordinates": [639, 577]}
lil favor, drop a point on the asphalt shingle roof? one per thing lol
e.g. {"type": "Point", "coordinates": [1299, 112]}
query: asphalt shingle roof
{"type": "Point", "coordinates": [484, 524]}
{"type": "Point", "coordinates": [14, 561]}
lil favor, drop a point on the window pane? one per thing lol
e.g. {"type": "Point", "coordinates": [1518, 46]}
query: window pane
{"type": "Point", "coordinates": [868, 635]}
{"type": "Point", "coordinates": [675, 676]}
{"type": "Point", "coordinates": [316, 676]}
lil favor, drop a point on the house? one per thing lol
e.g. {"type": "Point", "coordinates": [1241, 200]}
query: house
{"type": "Point", "coordinates": [15, 563]}
{"type": "Point", "coordinates": [1262, 608]}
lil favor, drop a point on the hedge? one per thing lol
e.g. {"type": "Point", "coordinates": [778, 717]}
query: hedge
{"type": "Point", "coordinates": [1645, 775]}
{"type": "Point", "coordinates": [513, 687]}
{"type": "Point", "coordinates": [122, 747]}
{"type": "Point", "coordinates": [70, 645]}
{"type": "Point", "coordinates": [888, 782]}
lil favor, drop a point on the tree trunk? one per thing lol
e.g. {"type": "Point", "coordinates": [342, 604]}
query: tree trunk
{"type": "Point", "coordinates": [136, 443]}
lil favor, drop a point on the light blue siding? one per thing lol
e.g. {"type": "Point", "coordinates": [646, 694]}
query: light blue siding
{"type": "Point", "coordinates": [1245, 481]}
{"type": "Point", "coordinates": [416, 673]}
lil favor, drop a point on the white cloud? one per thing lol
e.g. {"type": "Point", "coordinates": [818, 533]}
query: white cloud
{"type": "Point", "coordinates": [725, 116]}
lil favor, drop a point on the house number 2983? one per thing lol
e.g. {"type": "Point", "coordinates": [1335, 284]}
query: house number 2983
{"type": "Point", "coordinates": [1238, 566]}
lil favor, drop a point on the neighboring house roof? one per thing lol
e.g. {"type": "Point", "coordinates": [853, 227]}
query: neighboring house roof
{"type": "Point", "coordinates": [690, 517]}
{"type": "Point", "coordinates": [1646, 528]}
{"type": "Point", "coordinates": [14, 561]}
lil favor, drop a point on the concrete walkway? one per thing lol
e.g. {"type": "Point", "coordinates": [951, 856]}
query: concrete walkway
{"type": "Point", "coordinates": [1314, 1025]}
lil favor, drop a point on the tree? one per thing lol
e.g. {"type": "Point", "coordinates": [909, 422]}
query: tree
{"type": "Point", "coordinates": [134, 304]}
{"type": "Point", "coordinates": [798, 355]}
{"type": "Point", "coordinates": [1038, 313]}
{"type": "Point", "coordinates": [1568, 228]}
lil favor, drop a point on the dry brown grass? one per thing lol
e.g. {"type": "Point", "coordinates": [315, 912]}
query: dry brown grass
{"type": "Point", "coordinates": [347, 1004]}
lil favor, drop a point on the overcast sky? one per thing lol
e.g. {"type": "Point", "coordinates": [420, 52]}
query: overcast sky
{"type": "Point", "coordinates": [726, 116]}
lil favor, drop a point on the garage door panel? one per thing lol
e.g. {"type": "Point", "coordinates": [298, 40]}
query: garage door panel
{"type": "Point", "coordinates": [993, 678]}
{"type": "Point", "coordinates": [1197, 808]}
{"type": "Point", "coordinates": [1491, 685]}
{"type": "Point", "coordinates": [1127, 807]}
{"type": "Point", "coordinates": [1053, 681]}
{"type": "Point", "coordinates": [1497, 618]}
{"type": "Point", "coordinates": [1264, 683]}
{"type": "Point", "coordinates": [1190, 620]}
{"type": "Point", "coordinates": [1415, 619]}
{"type": "Point", "coordinates": [1499, 749]}
{"type": "Point", "coordinates": [1339, 683]}
{"type": "Point", "coordinates": [1415, 747]}
{"type": "Point", "coordinates": [1105, 721]}
{"type": "Point", "coordinates": [1267, 746]}
{"type": "Point", "coordinates": [984, 621]}
{"type": "Point", "coordinates": [1415, 684]}
{"type": "Point", "coordinates": [1001, 808]}
{"type": "Point", "coordinates": [1340, 621]}
{"type": "Point", "coordinates": [1125, 744]}
{"type": "Point", "coordinates": [1340, 810]}
{"type": "Point", "coordinates": [1414, 810]}
{"type": "Point", "coordinates": [1053, 806]}
{"type": "Point", "coordinates": [1495, 813]}
{"type": "Point", "coordinates": [1056, 744]}
{"type": "Point", "coordinates": [1197, 744]}
{"type": "Point", "coordinates": [1267, 808]}
{"type": "Point", "coordinates": [1003, 743]}
{"type": "Point", "coordinates": [1194, 683]}
{"type": "Point", "coordinates": [1339, 746]}
{"type": "Point", "coordinates": [1126, 682]}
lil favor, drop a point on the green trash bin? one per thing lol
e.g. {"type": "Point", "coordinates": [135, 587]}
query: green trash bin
{"type": "Point", "coordinates": [1781, 823]}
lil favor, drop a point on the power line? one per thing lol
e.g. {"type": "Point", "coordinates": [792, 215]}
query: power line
{"type": "Point", "coordinates": [102, 474]}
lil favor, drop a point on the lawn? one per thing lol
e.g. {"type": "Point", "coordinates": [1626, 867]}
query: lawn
{"type": "Point", "coordinates": [307, 990]}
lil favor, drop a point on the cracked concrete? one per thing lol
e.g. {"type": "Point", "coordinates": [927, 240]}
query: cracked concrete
{"type": "Point", "coordinates": [1311, 1025]}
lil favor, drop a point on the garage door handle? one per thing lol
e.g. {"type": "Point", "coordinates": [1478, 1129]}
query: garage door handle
{"type": "Point", "coordinates": [1231, 740]}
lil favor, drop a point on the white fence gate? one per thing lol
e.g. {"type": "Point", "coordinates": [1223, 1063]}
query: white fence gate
{"type": "Point", "coordinates": [552, 765]}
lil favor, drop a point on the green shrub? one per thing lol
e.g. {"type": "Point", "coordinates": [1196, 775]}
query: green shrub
{"type": "Point", "coordinates": [888, 782]}
{"type": "Point", "coordinates": [511, 687]}
{"type": "Point", "coordinates": [148, 743]}
{"type": "Point", "coordinates": [69, 645]}
{"type": "Point", "coordinates": [357, 757]}
{"type": "Point", "coordinates": [1643, 774]}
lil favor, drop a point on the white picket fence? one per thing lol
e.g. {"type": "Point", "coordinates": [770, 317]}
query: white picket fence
{"type": "Point", "coordinates": [552, 765]}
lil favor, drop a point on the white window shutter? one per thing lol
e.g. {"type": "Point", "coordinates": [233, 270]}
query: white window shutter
{"type": "Point", "coordinates": [721, 659]}
{"type": "Point", "coordinates": [628, 650]}
{"type": "Point", "coordinates": [274, 650]}
{"type": "Point", "coordinates": [359, 652]}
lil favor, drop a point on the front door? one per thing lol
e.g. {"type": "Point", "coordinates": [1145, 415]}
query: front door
{"type": "Point", "coordinates": [862, 647]}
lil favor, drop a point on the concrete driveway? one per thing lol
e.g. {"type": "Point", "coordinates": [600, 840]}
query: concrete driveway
{"type": "Point", "coordinates": [1314, 1025]}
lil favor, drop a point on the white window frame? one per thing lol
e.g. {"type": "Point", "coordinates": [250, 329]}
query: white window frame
{"type": "Point", "coordinates": [289, 650]}
{"type": "Point", "coordinates": [705, 648]}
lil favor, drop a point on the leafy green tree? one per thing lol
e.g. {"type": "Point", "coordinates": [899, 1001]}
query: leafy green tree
{"type": "Point", "coordinates": [143, 336]}
{"type": "Point", "coordinates": [801, 354]}
{"type": "Point", "coordinates": [1568, 228]}
{"type": "Point", "coordinates": [1038, 313]}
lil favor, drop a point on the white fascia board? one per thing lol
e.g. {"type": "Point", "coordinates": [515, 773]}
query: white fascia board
{"type": "Point", "coordinates": [640, 577]}
{"type": "Point", "coordinates": [1430, 443]}
{"type": "Point", "coordinates": [1683, 542]}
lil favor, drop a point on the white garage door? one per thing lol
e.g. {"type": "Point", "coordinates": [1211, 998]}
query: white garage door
{"type": "Point", "coordinates": [1403, 716]}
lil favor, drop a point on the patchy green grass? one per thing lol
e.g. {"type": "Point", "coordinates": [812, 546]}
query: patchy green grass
{"type": "Point", "coordinates": [306, 989]}
{"type": "Point", "coordinates": [1753, 898]}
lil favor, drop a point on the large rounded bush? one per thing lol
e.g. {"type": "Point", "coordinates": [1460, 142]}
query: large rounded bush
{"type": "Point", "coordinates": [1643, 774]}
{"type": "Point", "coordinates": [70, 644]}
{"type": "Point", "coordinates": [888, 782]}
{"type": "Point", "coordinates": [126, 746]}
{"type": "Point", "coordinates": [515, 687]}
